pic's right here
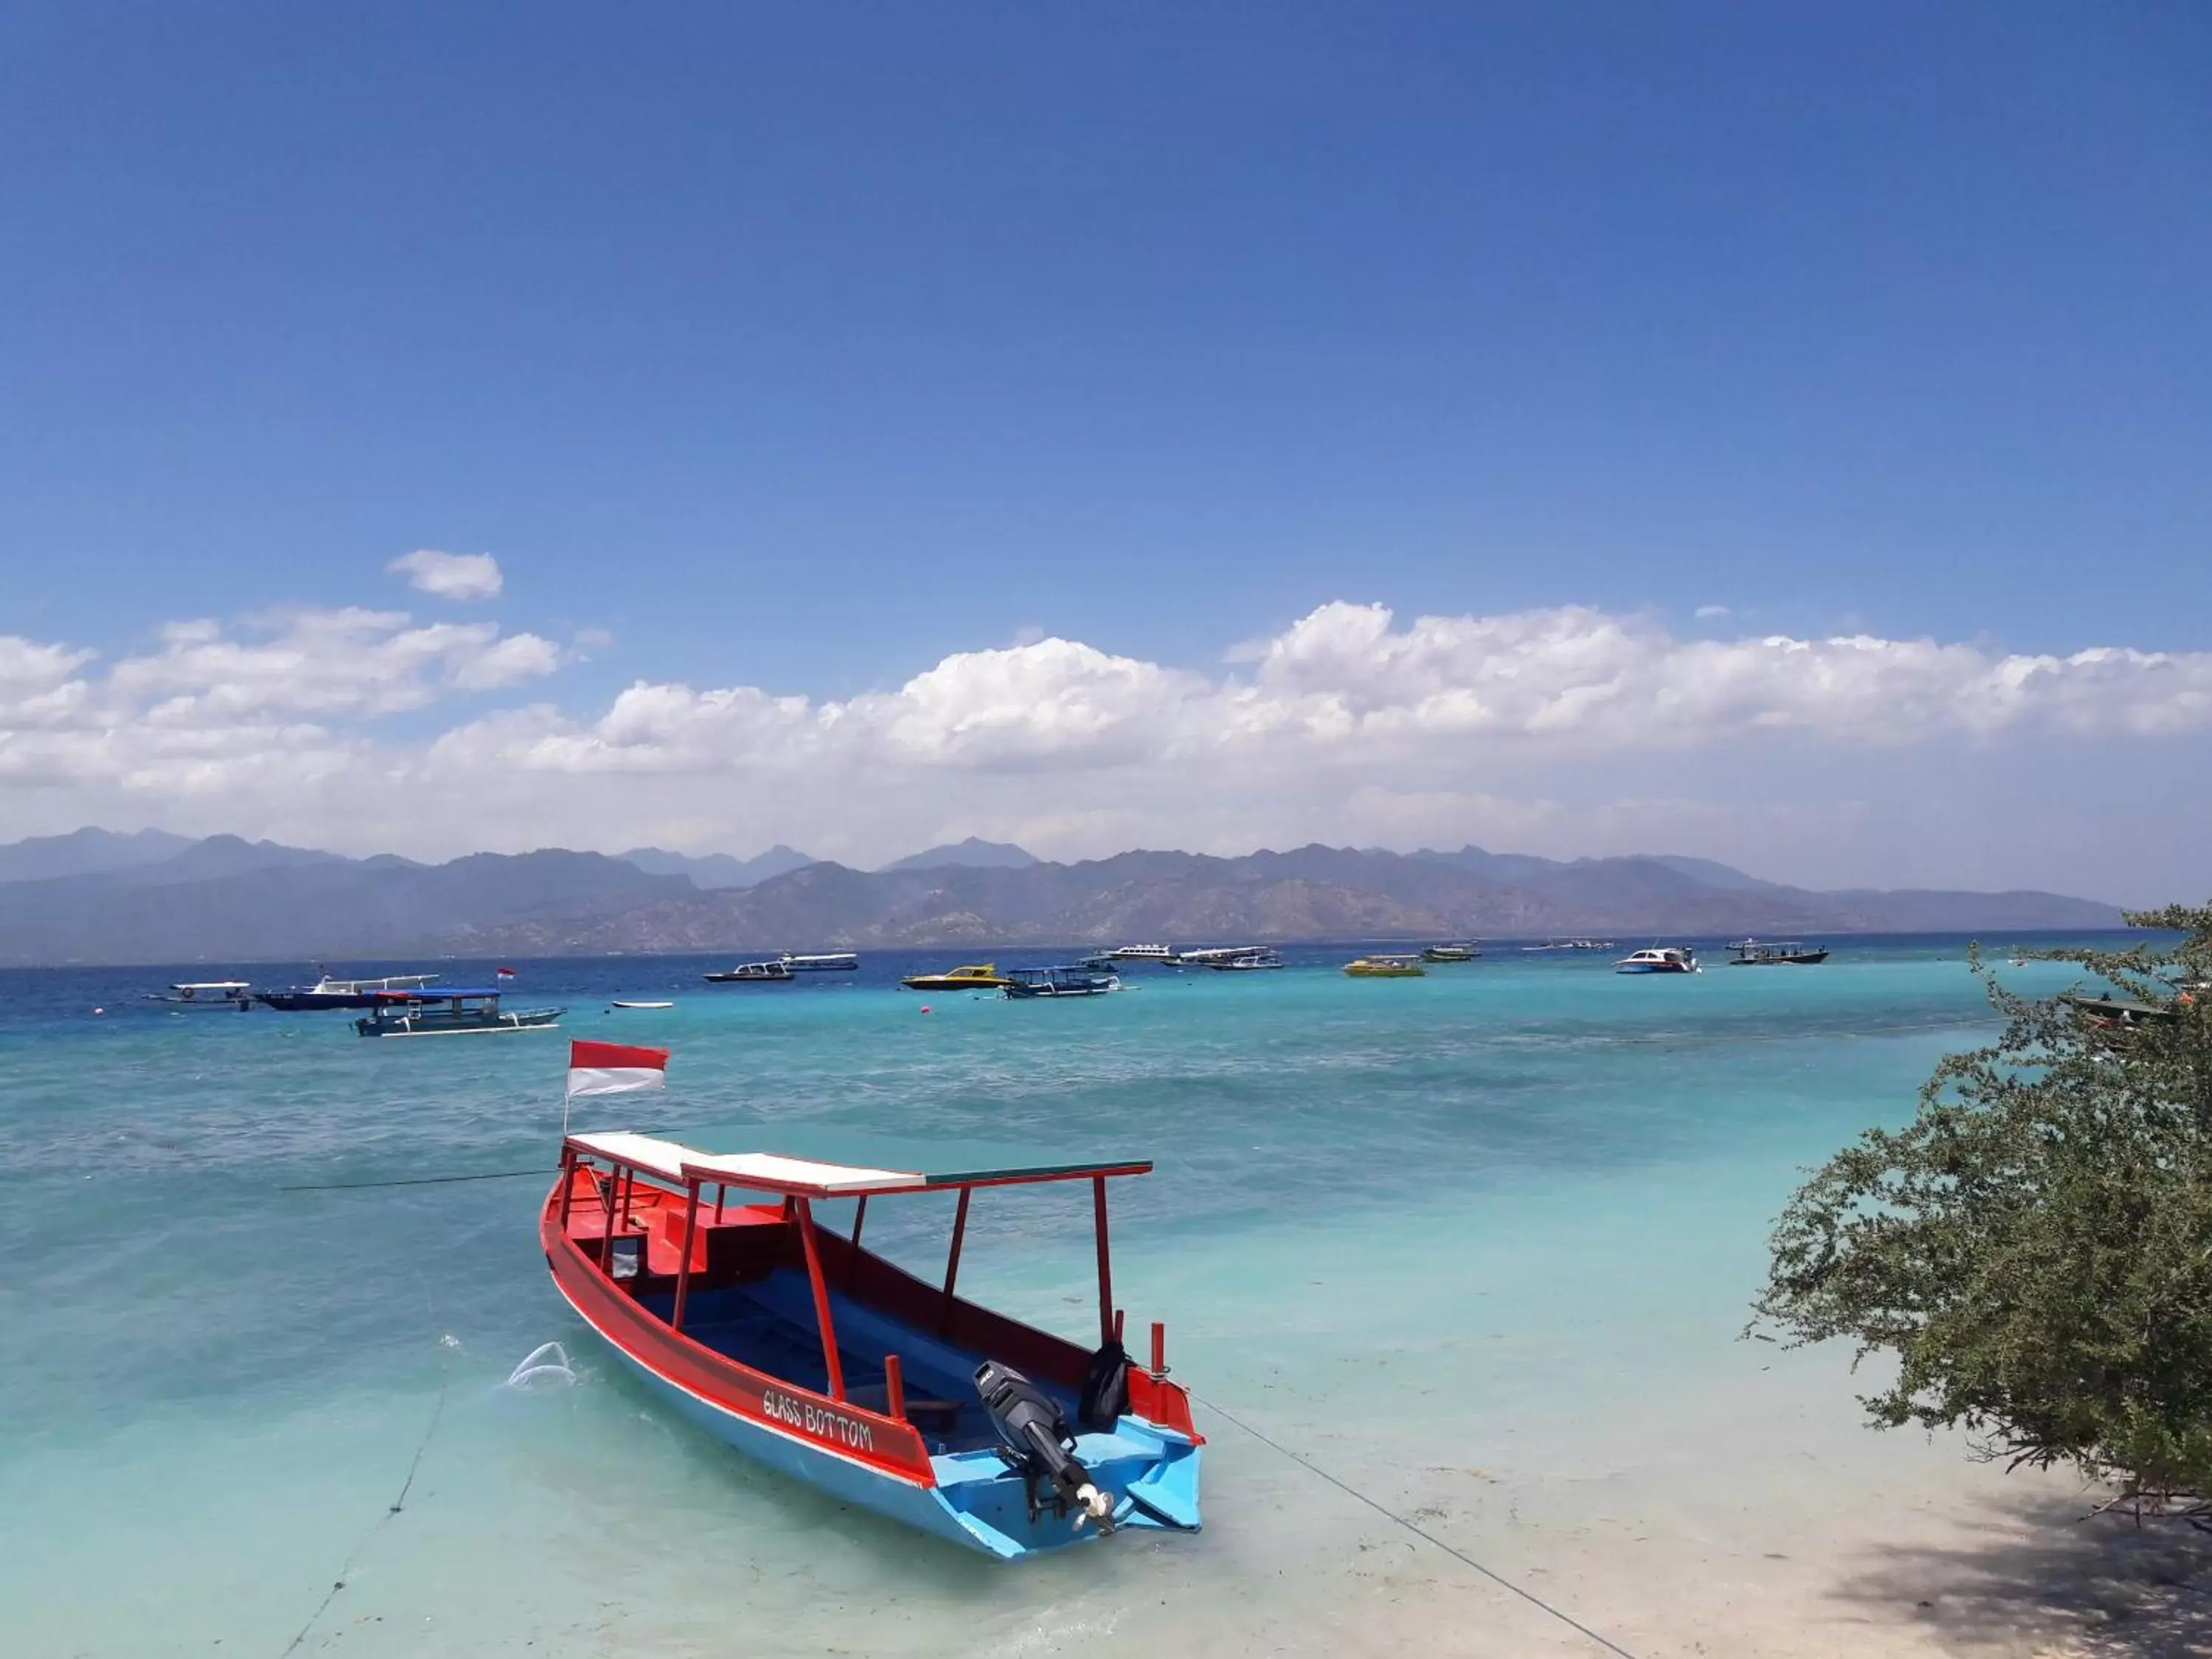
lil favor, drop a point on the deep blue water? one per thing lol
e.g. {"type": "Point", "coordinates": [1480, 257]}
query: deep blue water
{"type": "Point", "coordinates": [1477, 1207]}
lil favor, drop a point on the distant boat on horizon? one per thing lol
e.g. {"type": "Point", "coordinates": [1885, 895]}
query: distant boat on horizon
{"type": "Point", "coordinates": [207, 993]}
{"type": "Point", "coordinates": [1770, 953]}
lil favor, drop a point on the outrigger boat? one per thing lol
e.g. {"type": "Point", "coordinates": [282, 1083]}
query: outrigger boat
{"type": "Point", "coordinates": [208, 994]}
{"type": "Point", "coordinates": [1451, 953]}
{"type": "Point", "coordinates": [1771, 953]}
{"type": "Point", "coordinates": [793, 1344]}
{"type": "Point", "coordinates": [1023, 983]}
{"type": "Point", "coordinates": [976, 976]}
{"type": "Point", "coordinates": [828, 962]}
{"type": "Point", "coordinates": [450, 1012]}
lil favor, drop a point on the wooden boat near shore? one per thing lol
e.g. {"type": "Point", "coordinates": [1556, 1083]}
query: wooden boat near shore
{"type": "Point", "coordinates": [792, 1343]}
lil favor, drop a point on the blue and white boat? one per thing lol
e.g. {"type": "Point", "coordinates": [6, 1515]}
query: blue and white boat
{"type": "Point", "coordinates": [710, 1276]}
{"type": "Point", "coordinates": [1086, 981]}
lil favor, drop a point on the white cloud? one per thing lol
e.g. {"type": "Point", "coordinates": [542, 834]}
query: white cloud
{"type": "Point", "coordinates": [1567, 729]}
{"type": "Point", "coordinates": [450, 575]}
{"type": "Point", "coordinates": [1710, 612]}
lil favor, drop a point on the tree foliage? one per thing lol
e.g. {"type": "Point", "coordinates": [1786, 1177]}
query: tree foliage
{"type": "Point", "coordinates": [2035, 1250]}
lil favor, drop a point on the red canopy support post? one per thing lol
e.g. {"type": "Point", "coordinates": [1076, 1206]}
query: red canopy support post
{"type": "Point", "coordinates": [1105, 1264]}
{"type": "Point", "coordinates": [821, 1300]}
{"type": "Point", "coordinates": [895, 1387]}
{"type": "Point", "coordinates": [721, 1192]}
{"type": "Point", "coordinates": [1159, 1349]}
{"type": "Point", "coordinates": [684, 1267]}
{"type": "Point", "coordinates": [568, 1185]}
{"type": "Point", "coordinates": [952, 1259]}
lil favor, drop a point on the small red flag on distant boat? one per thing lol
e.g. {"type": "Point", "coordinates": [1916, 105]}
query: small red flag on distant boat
{"type": "Point", "coordinates": [505, 973]}
{"type": "Point", "coordinates": [614, 1068]}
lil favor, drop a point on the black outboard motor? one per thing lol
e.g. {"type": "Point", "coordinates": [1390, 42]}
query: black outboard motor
{"type": "Point", "coordinates": [1038, 1446]}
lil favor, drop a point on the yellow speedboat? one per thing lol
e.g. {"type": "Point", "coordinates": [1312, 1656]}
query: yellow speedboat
{"type": "Point", "coordinates": [976, 976]}
{"type": "Point", "coordinates": [1386, 967]}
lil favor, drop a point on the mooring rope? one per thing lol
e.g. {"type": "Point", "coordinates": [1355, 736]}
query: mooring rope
{"type": "Point", "coordinates": [1418, 1531]}
{"type": "Point", "coordinates": [411, 1180]}
{"type": "Point", "coordinates": [406, 1486]}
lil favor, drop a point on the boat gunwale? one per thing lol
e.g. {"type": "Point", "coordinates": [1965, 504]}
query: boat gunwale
{"type": "Point", "coordinates": [656, 1333]}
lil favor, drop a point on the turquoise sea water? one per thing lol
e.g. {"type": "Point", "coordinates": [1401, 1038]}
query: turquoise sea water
{"type": "Point", "coordinates": [1479, 1244]}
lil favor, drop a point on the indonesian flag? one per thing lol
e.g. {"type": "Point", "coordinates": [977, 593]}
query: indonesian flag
{"type": "Point", "coordinates": [504, 973]}
{"type": "Point", "coordinates": [614, 1068]}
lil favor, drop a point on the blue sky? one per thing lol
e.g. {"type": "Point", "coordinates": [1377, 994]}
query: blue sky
{"type": "Point", "coordinates": [796, 350]}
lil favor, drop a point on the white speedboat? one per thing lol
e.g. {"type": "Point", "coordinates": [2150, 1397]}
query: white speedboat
{"type": "Point", "coordinates": [1659, 959]}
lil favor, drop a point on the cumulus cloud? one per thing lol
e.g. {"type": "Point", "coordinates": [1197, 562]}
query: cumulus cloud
{"type": "Point", "coordinates": [450, 575]}
{"type": "Point", "coordinates": [1350, 723]}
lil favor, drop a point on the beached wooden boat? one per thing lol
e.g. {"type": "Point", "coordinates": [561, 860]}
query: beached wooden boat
{"type": "Point", "coordinates": [794, 1345]}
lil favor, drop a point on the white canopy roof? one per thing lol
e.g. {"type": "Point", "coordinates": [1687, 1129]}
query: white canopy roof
{"type": "Point", "coordinates": [767, 1171]}
{"type": "Point", "coordinates": [672, 1161]}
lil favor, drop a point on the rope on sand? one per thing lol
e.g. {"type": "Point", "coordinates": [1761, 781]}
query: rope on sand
{"type": "Point", "coordinates": [1420, 1532]}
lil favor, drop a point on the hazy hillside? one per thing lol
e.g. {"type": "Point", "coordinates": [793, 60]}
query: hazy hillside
{"type": "Point", "coordinates": [229, 899]}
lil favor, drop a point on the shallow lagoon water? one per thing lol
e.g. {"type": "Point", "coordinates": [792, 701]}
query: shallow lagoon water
{"type": "Point", "coordinates": [1479, 1244]}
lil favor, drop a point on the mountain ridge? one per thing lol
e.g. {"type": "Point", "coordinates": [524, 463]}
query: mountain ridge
{"type": "Point", "coordinates": [225, 898]}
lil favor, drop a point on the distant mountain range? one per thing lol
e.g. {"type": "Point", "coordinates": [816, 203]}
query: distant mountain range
{"type": "Point", "coordinates": [715, 872]}
{"type": "Point", "coordinates": [97, 897]}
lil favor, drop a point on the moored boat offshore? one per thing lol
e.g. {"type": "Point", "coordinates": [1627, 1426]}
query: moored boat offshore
{"type": "Point", "coordinates": [793, 1344]}
{"type": "Point", "coordinates": [773, 971]}
{"type": "Point", "coordinates": [1659, 959]}
{"type": "Point", "coordinates": [1385, 967]}
{"type": "Point", "coordinates": [327, 993]}
{"type": "Point", "coordinates": [827, 961]}
{"type": "Point", "coordinates": [1023, 983]}
{"type": "Point", "coordinates": [1771, 953]}
{"type": "Point", "coordinates": [1451, 952]}
{"type": "Point", "coordinates": [974, 976]}
{"type": "Point", "coordinates": [450, 1012]}
{"type": "Point", "coordinates": [236, 993]}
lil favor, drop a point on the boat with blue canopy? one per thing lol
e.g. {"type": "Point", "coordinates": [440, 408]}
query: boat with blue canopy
{"type": "Point", "coordinates": [714, 1278]}
{"type": "Point", "coordinates": [449, 1010]}
{"type": "Point", "coordinates": [1083, 981]}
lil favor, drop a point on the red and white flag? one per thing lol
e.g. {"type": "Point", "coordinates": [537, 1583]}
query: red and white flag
{"type": "Point", "coordinates": [614, 1068]}
{"type": "Point", "coordinates": [503, 973]}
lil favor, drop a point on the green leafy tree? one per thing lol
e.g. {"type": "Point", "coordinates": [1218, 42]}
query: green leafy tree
{"type": "Point", "coordinates": [2035, 1250]}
